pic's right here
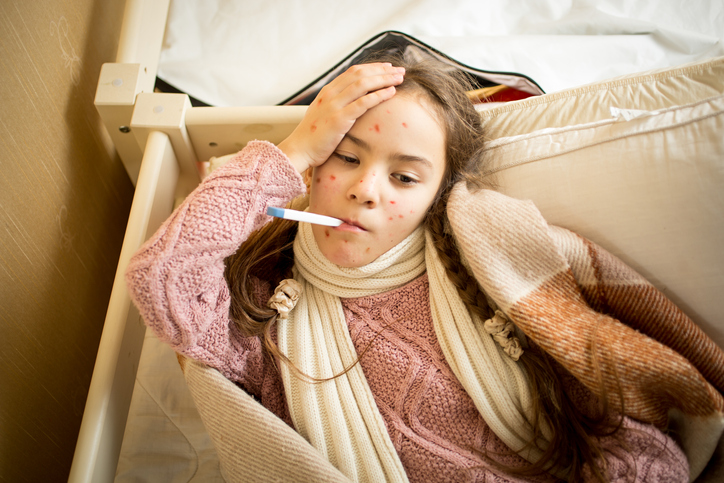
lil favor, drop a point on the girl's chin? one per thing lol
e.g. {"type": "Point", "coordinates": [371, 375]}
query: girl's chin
{"type": "Point", "coordinates": [348, 260]}
{"type": "Point", "coordinates": [348, 257]}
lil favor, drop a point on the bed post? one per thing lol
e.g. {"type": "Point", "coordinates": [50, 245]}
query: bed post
{"type": "Point", "coordinates": [154, 171]}
{"type": "Point", "coordinates": [133, 72]}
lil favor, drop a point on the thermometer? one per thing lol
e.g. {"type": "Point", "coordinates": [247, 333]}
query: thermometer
{"type": "Point", "coordinates": [295, 215]}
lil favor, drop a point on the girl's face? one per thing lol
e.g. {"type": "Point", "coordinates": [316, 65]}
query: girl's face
{"type": "Point", "coordinates": [381, 180]}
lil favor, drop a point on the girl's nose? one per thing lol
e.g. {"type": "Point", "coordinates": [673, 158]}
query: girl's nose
{"type": "Point", "coordinates": [364, 190]}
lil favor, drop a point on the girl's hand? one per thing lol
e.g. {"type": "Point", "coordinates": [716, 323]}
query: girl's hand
{"type": "Point", "coordinates": [335, 109]}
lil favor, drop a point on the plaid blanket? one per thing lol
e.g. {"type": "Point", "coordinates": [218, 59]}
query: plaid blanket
{"type": "Point", "coordinates": [596, 316]}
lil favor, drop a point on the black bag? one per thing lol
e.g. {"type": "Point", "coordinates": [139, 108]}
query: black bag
{"type": "Point", "coordinates": [517, 86]}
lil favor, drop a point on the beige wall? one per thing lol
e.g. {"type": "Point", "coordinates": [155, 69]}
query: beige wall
{"type": "Point", "coordinates": [64, 201]}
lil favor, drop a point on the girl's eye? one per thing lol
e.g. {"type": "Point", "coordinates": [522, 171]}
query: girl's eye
{"type": "Point", "coordinates": [347, 159]}
{"type": "Point", "coordinates": [404, 179]}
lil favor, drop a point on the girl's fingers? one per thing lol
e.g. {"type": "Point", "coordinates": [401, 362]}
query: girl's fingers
{"type": "Point", "coordinates": [356, 109]}
{"type": "Point", "coordinates": [335, 110]}
{"type": "Point", "coordinates": [367, 85]}
{"type": "Point", "coordinates": [358, 73]}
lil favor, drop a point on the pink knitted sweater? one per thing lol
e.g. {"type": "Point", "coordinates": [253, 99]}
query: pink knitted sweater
{"type": "Point", "coordinates": [177, 281]}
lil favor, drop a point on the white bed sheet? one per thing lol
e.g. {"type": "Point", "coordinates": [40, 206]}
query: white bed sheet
{"type": "Point", "coordinates": [259, 52]}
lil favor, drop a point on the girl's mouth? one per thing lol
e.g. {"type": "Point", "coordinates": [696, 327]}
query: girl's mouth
{"type": "Point", "coordinates": [350, 226]}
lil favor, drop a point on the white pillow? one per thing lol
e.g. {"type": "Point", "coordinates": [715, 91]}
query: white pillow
{"type": "Point", "coordinates": [647, 184]}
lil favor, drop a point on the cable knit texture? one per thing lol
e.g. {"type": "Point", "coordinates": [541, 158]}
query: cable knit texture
{"type": "Point", "coordinates": [176, 280]}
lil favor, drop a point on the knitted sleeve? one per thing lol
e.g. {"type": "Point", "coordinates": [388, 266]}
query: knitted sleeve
{"type": "Point", "coordinates": [638, 452]}
{"type": "Point", "coordinates": [642, 453]}
{"type": "Point", "coordinates": [176, 279]}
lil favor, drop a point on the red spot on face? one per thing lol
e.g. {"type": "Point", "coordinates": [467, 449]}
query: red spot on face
{"type": "Point", "coordinates": [313, 128]}
{"type": "Point", "coordinates": [412, 211]}
{"type": "Point", "coordinates": [361, 181]}
{"type": "Point", "coordinates": [377, 128]}
{"type": "Point", "coordinates": [368, 249]}
{"type": "Point", "coordinates": [346, 241]}
{"type": "Point", "coordinates": [332, 177]}
{"type": "Point", "coordinates": [326, 232]}
{"type": "Point", "coordinates": [393, 202]}
{"type": "Point", "coordinates": [319, 179]}
{"type": "Point", "coordinates": [388, 111]}
{"type": "Point", "coordinates": [320, 101]}
{"type": "Point", "coordinates": [404, 124]}
{"type": "Point", "coordinates": [390, 218]}
{"type": "Point", "coordinates": [400, 216]}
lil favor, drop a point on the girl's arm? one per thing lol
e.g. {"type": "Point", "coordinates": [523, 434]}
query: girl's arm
{"type": "Point", "coordinates": [176, 279]}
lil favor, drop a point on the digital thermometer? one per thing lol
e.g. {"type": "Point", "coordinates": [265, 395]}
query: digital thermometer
{"type": "Point", "coordinates": [305, 216]}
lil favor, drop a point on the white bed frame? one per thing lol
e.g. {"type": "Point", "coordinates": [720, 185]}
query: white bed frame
{"type": "Point", "coordinates": [160, 139]}
{"type": "Point", "coordinates": [163, 141]}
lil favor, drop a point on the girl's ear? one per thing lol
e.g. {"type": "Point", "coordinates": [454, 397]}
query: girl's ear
{"type": "Point", "coordinates": [308, 179]}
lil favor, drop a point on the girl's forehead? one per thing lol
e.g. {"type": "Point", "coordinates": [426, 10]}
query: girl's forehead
{"type": "Point", "coordinates": [403, 127]}
{"type": "Point", "coordinates": [401, 115]}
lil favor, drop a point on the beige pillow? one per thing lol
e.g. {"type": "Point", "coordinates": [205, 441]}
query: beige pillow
{"type": "Point", "coordinates": [635, 164]}
{"type": "Point", "coordinates": [657, 89]}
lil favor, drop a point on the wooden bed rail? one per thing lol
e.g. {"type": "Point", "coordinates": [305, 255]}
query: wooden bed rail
{"type": "Point", "coordinates": [109, 396]}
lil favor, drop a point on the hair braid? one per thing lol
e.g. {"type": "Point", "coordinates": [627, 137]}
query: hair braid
{"type": "Point", "coordinates": [447, 250]}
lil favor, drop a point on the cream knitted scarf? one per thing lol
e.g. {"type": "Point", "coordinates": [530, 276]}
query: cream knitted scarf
{"type": "Point", "coordinates": [339, 417]}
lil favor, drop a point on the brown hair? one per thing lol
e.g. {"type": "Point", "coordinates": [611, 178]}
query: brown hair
{"type": "Point", "coordinates": [267, 255]}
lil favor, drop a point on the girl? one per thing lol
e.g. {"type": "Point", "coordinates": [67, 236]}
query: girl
{"type": "Point", "coordinates": [365, 345]}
